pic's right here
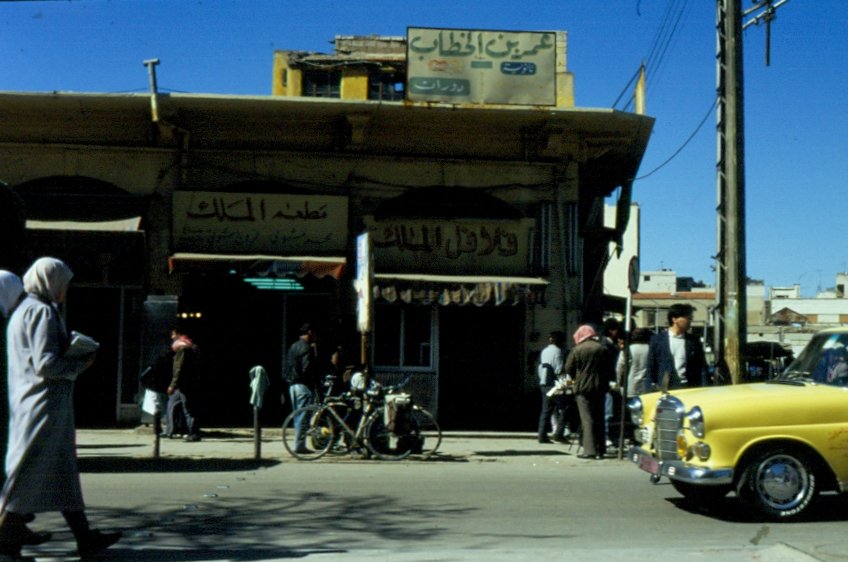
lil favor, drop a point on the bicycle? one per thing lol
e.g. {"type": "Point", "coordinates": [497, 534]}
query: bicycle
{"type": "Point", "coordinates": [383, 428]}
{"type": "Point", "coordinates": [403, 429]}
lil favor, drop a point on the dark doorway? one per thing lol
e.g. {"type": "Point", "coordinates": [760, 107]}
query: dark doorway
{"type": "Point", "coordinates": [480, 376]}
{"type": "Point", "coordinates": [97, 312]}
{"type": "Point", "coordinates": [240, 327]}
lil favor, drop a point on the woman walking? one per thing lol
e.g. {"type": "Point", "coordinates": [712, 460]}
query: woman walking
{"type": "Point", "coordinates": [41, 463]}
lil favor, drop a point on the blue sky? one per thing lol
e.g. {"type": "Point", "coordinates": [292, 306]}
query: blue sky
{"type": "Point", "coordinates": [796, 123]}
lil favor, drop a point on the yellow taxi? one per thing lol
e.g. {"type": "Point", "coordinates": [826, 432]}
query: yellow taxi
{"type": "Point", "coordinates": [777, 444]}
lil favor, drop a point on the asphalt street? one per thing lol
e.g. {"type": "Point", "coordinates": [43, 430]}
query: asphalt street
{"type": "Point", "coordinates": [484, 497]}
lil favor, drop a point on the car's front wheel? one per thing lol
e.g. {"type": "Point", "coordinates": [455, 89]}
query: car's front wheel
{"type": "Point", "coordinates": [780, 483]}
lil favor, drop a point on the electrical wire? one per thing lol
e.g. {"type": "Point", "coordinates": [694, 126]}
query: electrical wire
{"type": "Point", "coordinates": [688, 140]}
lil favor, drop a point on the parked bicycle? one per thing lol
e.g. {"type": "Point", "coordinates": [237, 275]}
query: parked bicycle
{"type": "Point", "coordinates": [379, 421]}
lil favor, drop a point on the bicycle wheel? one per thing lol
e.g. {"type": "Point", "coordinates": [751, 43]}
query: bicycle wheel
{"type": "Point", "coordinates": [319, 429]}
{"type": "Point", "coordinates": [382, 442]}
{"type": "Point", "coordinates": [427, 432]}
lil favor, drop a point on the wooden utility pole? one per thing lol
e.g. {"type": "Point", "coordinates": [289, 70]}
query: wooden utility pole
{"type": "Point", "coordinates": [731, 309]}
{"type": "Point", "coordinates": [731, 278]}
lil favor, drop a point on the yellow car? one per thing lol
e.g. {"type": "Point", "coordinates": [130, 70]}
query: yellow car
{"type": "Point", "coordinates": [777, 444]}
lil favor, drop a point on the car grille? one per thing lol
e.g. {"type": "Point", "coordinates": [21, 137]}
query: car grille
{"type": "Point", "coordinates": [668, 420]}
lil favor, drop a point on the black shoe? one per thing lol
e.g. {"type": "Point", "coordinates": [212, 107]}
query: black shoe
{"type": "Point", "coordinates": [561, 439]}
{"type": "Point", "coordinates": [164, 435]}
{"type": "Point", "coordinates": [585, 456]}
{"type": "Point", "coordinates": [192, 438]}
{"type": "Point", "coordinates": [599, 457]}
{"type": "Point", "coordinates": [29, 537]}
{"type": "Point", "coordinates": [544, 440]}
{"type": "Point", "coordinates": [96, 541]}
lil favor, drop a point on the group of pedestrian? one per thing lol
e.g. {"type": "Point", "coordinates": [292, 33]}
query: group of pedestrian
{"type": "Point", "coordinates": [43, 362]}
{"type": "Point", "coordinates": [603, 361]}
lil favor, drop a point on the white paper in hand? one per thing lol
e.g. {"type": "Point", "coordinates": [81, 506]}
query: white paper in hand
{"type": "Point", "coordinates": [81, 345]}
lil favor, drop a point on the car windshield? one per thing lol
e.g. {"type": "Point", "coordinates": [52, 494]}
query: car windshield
{"type": "Point", "coordinates": [824, 360]}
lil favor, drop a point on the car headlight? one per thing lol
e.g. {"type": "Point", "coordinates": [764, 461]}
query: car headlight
{"type": "Point", "coordinates": [696, 421]}
{"type": "Point", "coordinates": [635, 407]}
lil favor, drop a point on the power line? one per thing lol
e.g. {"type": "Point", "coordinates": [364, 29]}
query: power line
{"type": "Point", "coordinates": [686, 142]}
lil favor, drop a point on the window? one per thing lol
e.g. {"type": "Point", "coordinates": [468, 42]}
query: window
{"type": "Point", "coordinates": [387, 87]}
{"type": "Point", "coordinates": [403, 336]}
{"type": "Point", "coordinates": [322, 83]}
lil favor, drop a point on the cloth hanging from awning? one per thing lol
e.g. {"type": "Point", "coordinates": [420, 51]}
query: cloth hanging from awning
{"type": "Point", "coordinates": [262, 265]}
{"type": "Point", "coordinates": [446, 290]}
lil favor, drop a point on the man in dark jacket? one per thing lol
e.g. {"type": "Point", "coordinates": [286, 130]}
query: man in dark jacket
{"type": "Point", "coordinates": [302, 371]}
{"type": "Point", "coordinates": [590, 365]}
{"type": "Point", "coordinates": [185, 384]}
{"type": "Point", "coordinates": [676, 357]}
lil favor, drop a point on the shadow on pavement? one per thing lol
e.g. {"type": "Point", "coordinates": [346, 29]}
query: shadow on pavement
{"type": "Point", "coordinates": [523, 453]}
{"type": "Point", "coordinates": [827, 508]}
{"type": "Point", "coordinates": [281, 524]}
{"type": "Point", "coordinates": [107, 464]}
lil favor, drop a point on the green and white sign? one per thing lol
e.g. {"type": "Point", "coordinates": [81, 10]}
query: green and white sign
{"type": "Point", "coordinates": [473, 66]}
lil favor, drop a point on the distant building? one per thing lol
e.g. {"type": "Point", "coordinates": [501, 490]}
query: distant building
{"type": "Point", "coordinates": [776, 314]}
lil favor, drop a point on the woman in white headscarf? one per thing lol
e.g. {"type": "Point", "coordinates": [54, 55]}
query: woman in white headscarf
{"type": "Point", "coordinates": [11, 291]}
{"type": "Point", "coordinates": [41, 463]}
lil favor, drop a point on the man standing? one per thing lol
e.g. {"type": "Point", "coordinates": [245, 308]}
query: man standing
{"type": "Point", "coordinates": [676, 357]}
{"type": "Point", "coordinates": [550, 367]}
{"type": "Point", "coordinates": [301, 373]}
{"type": "Point", "coordinates": [185, 384]}
{"type": "Point", "coordinates": [589, 365]}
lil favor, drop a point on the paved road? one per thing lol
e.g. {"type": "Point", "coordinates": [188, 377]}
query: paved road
{"type": "Point", "coordinates": [492, 497]}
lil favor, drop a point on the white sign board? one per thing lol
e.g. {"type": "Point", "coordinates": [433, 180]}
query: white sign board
{"type": "Point", "coordinates": [473, 66]}
{"type": "Point", "coordinates": [363, 282]}
{"type": "Point", "coordinates": [255, 223]}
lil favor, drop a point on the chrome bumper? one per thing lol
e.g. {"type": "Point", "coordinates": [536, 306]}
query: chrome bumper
{"type": "Point", "coordinates": [679, 470]}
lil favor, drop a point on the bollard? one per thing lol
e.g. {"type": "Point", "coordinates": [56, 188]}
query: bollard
{"type": "Point", "coordinates": [257, 435]}
{"type": "Point", "coordinates": [258, 386]}
{"type": "Point", "coordinates": [157, 431]}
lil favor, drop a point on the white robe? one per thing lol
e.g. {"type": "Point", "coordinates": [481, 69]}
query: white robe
{"type": "Point", "coordinates": [41, 463]}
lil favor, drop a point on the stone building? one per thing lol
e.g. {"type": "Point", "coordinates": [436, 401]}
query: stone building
{"type": "Point", "coordinates": [239, 215]}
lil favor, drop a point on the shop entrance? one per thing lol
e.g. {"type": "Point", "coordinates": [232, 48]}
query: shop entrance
{"type": "Point", "coordinates": [480, 376]}
{"type": "Point", "coordinates": [239, 327]}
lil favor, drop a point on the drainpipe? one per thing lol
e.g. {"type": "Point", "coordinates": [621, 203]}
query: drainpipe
{"type": "Point", "coordinates": [559, 180]}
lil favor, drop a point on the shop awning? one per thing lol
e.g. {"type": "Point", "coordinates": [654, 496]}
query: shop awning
{"type": "Point", "coordinates": [263, 265]}
{"type": "Point", "coordinates": [132, 224]}
{"type": "Point", "coordinates": [479, 290]}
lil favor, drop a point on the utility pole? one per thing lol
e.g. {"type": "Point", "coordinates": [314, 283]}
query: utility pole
{"type": "Point", "coordinates": [731, 325]}
{"type": "Point", "coordinates": [731, 309]}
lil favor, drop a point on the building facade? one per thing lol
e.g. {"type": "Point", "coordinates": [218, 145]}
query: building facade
{"type": "Point", "coordinates": [239, 216]}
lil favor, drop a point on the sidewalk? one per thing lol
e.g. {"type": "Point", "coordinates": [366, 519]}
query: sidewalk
{"type": "Point", "coordinates": [239, 443]}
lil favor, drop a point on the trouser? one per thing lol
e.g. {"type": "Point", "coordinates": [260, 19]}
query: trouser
{"type": "Point", "coordinates": [591, 408]}
{"type": "Point", "coordinates": [551, 406]}
{"type": "Point", "coordinates": [178, 402]}
{"type": "Point", "coordinates": [300, 396]}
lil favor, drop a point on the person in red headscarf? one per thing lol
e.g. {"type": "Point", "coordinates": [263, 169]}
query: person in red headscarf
{"type": "Point", "coordinates": [590, 365]}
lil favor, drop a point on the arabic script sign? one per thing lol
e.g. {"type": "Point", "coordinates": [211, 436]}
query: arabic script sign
{"type": "Point", "coordinates": [259, 223]}
{"type": "Point", "coordinates": [460, 247]}
{"type": "Point", "coordinates": [468, 66]}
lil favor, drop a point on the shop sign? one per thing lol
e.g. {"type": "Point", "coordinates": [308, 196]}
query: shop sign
{"type": "Point", "coordinates": [288, 224]}
{"type": "Point", "coordinates": [451, 247]}
{"type": "Point", "coordinates": [473, 66]}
